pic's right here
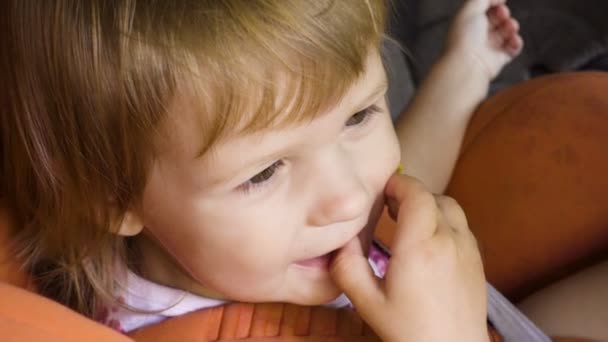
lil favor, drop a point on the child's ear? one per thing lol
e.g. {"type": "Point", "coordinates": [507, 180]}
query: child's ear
{"type": "Point", "coordinates": [131, 224]}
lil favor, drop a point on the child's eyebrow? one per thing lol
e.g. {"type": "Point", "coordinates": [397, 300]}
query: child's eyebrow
{"type": "Point", "coordinates": [380, 89]}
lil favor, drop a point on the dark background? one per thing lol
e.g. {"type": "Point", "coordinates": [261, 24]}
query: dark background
{"type": "Point", "coordinates": [559, 36]}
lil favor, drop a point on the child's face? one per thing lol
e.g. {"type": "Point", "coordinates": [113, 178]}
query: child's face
{"type": "Point", "coordinates": [255, 219]}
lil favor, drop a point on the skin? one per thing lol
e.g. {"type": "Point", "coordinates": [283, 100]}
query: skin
{"type": "Point", "coordinates": [208, 230]}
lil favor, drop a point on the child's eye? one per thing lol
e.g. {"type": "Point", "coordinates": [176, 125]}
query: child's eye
{"type": "Point", "coordinates": [362, 117]}
{"type": "Point", "coordinates": [262, 177]}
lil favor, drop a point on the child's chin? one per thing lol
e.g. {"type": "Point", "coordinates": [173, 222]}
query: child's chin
{"type": "Point", "coordinates": [322, 297]}
{"type": "Point", "coordinates": [314, 294]}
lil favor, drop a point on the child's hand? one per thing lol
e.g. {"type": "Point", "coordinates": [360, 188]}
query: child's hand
{"type": "Point", "coordinates": [485, 34]}
{"type": "Point", "coordinates": [434, 288]}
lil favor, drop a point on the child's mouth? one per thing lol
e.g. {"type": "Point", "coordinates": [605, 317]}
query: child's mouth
{"type": "Point", "coordinates": [322, 261]}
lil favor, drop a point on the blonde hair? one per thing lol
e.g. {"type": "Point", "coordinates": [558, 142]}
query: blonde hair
{"type": "Point", "coordinates": [87, 91]}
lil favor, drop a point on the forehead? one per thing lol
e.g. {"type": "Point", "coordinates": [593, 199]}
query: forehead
{"type": "Point", "coordinates": [196, 125]}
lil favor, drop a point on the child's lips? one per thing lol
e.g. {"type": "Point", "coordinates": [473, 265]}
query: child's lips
{"type": "Point", "coordinates": [322, 261]}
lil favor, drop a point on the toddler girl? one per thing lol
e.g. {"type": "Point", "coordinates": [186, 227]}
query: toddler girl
{"type": "Point", "coordinates": [164, 157]}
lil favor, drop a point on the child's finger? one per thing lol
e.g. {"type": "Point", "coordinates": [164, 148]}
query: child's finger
{"type": "Point", "coordinates": [480, 6]}
{"type": "Point", "coordinates": [391, 203]}
{"type": "Point", "coordinates": [352, 273]}
{"type": "Point", "coordinates": [497, 40]}
{"type": "Point", "coordinates": [508, 28]}
{"type": "Point", "coordinates": [497, 2]}
{"type": "Point", "coordinates": [498, 14]}
{"type": "Point", "coordinates": [417, 214]}
{"type": "Point", "coordinates": [393, 208]}
{"type": "Point", "coordinates": [452, 213]}
{"type": "Point", "coordinates": [514, 45]}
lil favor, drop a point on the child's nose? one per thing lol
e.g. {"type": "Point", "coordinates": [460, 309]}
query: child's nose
{"type": "Point", "coordinates": [340, 197]}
